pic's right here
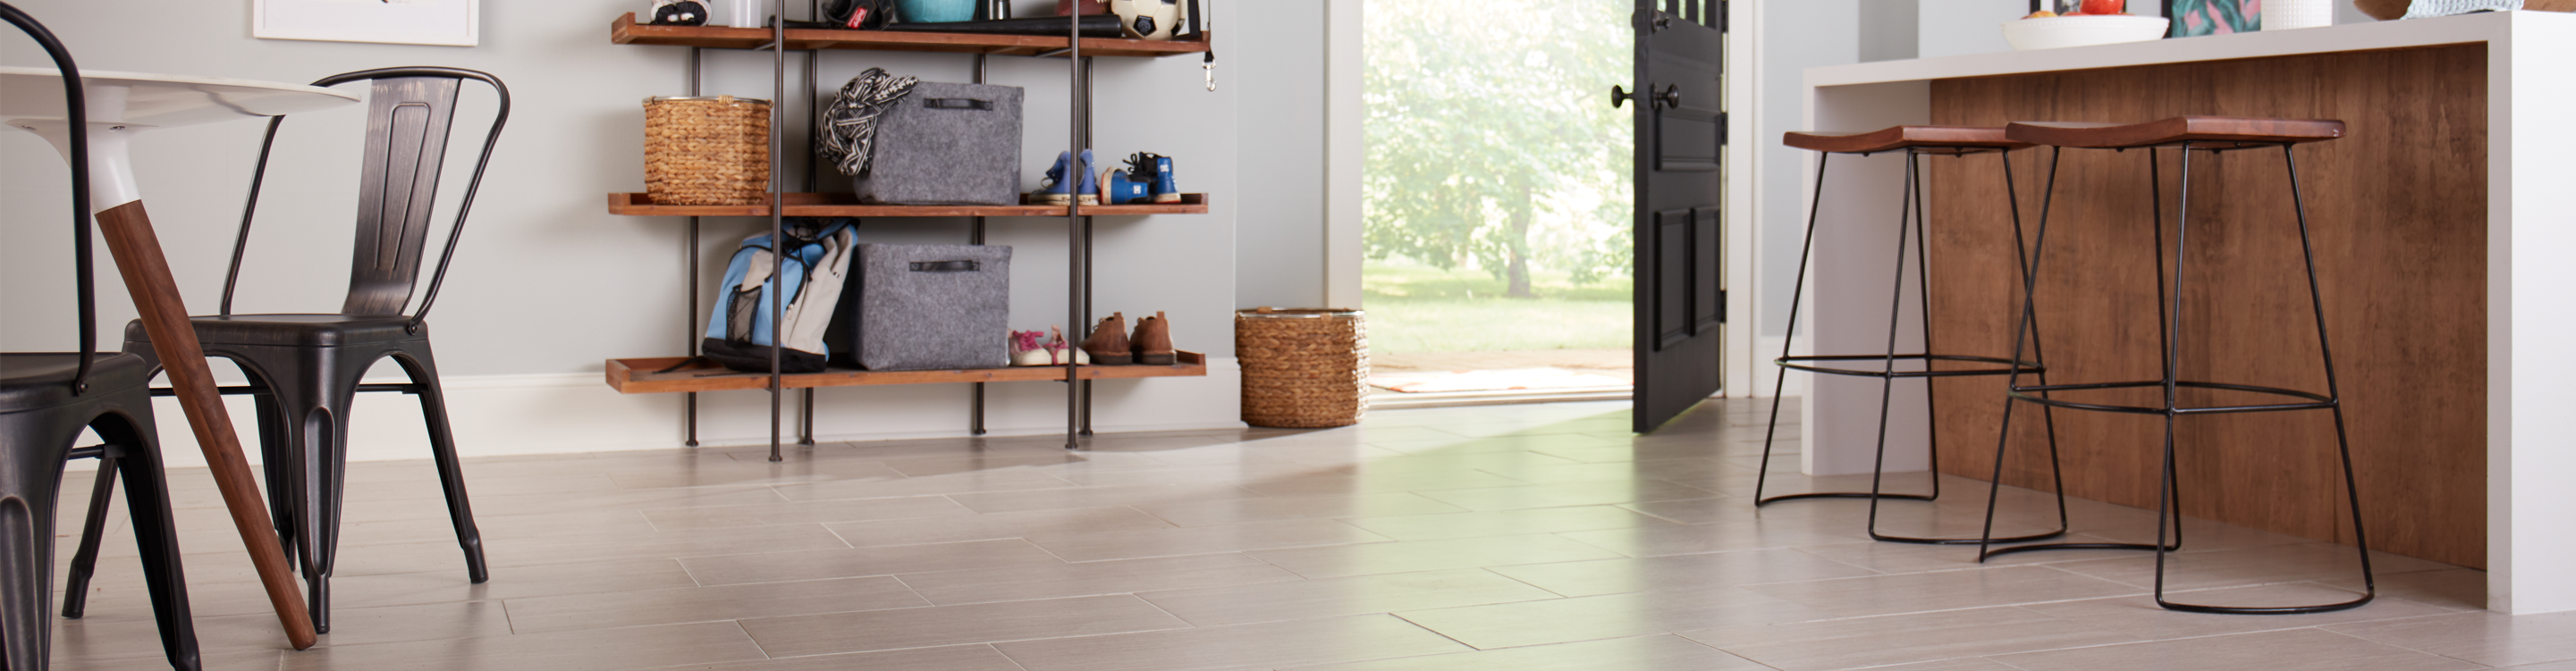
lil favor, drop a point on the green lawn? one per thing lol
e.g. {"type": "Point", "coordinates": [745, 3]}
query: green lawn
{"type": "Point", "coordinates": [1418, 308]}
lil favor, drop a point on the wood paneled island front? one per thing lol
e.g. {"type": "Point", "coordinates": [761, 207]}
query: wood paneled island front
{"type": "Point", "coordinates": [2445, 229]}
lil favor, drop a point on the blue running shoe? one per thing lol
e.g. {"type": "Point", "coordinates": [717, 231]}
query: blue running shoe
{"type": "Point", "coordinates": [1120, 190]}
{"type": "Point", "coordinates": [1155, 170]}
{"type": "Point", "coordinates": [1060, 191]}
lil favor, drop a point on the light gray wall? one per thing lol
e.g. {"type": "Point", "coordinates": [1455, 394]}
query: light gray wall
{"type": "Point", "coordinates": [546, 281]}
{"type": "Point", "coordinates": [1797, 34]}
{"type": "Point", "coordinates": [1889, 30]}
{"type": "Point", "coordinates": [1279, 71]}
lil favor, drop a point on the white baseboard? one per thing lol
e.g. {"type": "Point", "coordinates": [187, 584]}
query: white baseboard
{"type": "Point", "coordinates": [499, 415]}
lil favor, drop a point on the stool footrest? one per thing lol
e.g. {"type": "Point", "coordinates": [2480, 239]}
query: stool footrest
{"type": "Point", "coordinates": [1876, 536]}
{"type": "Point", "coordinates": [2314, 401]}
{"type": "Point", "coordinates": [2009, 365]}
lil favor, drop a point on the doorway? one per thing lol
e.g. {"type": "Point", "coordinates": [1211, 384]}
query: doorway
{"type": "Point", "coordinates": [1497, 197]}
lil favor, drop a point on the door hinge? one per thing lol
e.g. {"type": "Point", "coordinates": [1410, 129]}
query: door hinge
{"type": "Point", "coordinates": [1721, 129]}
{"type": "Point", "coordinates": [1721, 306]}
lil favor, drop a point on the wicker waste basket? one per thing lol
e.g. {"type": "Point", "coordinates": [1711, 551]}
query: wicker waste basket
{"type": "Point", "coordinates": [706, 150]}
{"type": "Point", "coordinates": [1302, 368]}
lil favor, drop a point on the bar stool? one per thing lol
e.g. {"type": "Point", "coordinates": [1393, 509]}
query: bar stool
{"type": "Point", "coordinates": [2188, 134]}
{"type": "Point", "coordinates": [1916, 142]}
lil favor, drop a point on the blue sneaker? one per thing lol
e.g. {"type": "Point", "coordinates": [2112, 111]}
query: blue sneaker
{"type": "Point", "coordinates": [1060, 191]}
{"type": "Point", "coordinates": [1118, 189]}
{"type": "Point", "coordinates": [1155, 170]}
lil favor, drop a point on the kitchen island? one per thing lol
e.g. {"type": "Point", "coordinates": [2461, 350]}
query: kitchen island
{"type": "Point", "coordinates": [2445, 228]}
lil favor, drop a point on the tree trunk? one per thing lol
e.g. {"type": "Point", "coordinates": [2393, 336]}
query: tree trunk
{"type": "Point", "coordinates": [1516, 270]}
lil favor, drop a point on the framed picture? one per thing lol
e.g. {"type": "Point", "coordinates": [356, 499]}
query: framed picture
{"type": "Point", "coordinates": [440, 22]}
{"type": "Point", "coordinates": [2213, 17]}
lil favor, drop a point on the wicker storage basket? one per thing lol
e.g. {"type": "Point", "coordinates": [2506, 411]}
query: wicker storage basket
{"type": "Point", "coordinates": [1302, 368]}
{"type": "Point", "coordinates": [706, 150]}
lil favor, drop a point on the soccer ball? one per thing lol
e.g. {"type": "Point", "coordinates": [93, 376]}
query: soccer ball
{"type": "Point", "coordinates": [1147, 19]}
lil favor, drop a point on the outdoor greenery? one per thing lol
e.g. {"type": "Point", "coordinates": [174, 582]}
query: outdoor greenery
{"type": "Point", "coordinates": [1491, 146]}
{"type": "Point", "coordinates": [1413, 307]}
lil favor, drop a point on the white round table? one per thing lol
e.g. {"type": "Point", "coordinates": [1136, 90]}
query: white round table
{"type": "Point", "coordinates": [121, 105]}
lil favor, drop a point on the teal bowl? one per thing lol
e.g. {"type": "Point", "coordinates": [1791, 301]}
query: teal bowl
{"type": "Point", "coordinates": [935, 11]}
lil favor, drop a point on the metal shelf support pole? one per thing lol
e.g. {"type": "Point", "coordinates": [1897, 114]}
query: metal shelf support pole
{"type": "Point", "coordinates": [689, 284]}
{"type": "Point", "coordinates": [777, 211]}
{"type": "Point", "coordinates": [1073, 230]}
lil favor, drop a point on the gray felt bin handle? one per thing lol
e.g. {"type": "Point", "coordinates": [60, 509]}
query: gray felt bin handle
{"type": "Point", "coordinates": [956, 103]}
{"type": "Point", "coordinates": [944, 266]}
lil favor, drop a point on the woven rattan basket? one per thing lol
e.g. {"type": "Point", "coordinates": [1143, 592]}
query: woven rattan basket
{"type": "Point", "coordinates": [706, 151]}
{"type": "Point", "coordinates": [1302, 368]}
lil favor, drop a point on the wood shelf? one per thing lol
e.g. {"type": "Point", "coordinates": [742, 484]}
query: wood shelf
{"type": "Point", "coordinates": [626, 31]}
{"type": "Point", "coordinates": [637, 376]}
{"type": "Point", "coordinates": [846, 205]}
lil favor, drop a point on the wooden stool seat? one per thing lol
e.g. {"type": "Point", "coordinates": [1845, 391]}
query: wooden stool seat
{"type": "Point", "coordinates": [1929, 139]}
{"type": "Point", "coordinates": [2203, 132]}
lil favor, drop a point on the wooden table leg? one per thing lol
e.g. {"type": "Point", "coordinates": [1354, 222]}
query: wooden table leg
{"type": "Point", "coordinates": [147, 275]}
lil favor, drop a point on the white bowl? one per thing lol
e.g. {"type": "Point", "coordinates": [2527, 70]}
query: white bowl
{"type": "Point", "coordinates": [2080, 31]}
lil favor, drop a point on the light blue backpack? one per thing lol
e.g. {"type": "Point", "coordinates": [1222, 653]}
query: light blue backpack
{"type": "Point", "coordinates": [744, 328]}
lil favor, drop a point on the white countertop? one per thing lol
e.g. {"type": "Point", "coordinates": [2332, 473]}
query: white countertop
{"type": "Point", "coordinates": [2356, 37]}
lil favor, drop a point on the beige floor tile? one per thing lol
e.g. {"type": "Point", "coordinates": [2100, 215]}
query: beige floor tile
{"type": "Point", "coordinates": [1443, 463]}
{"type": "Point", "coordinates": [1141, 543]}
{"type": "Point", "coordinates": [1331, 597]}
{"type": "Point", "coordinates": [1643, 653]}
{"type": "Point", "coordinates": [1259, 646]}
{"type": "Point", "coordinates": [585, 650]}
{"type": "Point", "coordinates": [1942, 590]}
{"type": "Point", "coordinates": [708, 604]}
{"type": "Point", "coordinates": [2450, 588]}
{"type": "Point", "coordinates": [1055, 581]}
{"type": "Point", "coordinates": [1961, 664]}
{"type": "Point", "coordinates": [603, 547]}
{"type": "Point", "coordinates": [952, 658]}
{"type": "Point", "coordinates": [1412, 556]}
{"type": "Point", "coordinates": [803, 512]}
{"type": "Point", "coordinates": [1717, 569]}
{"type": "Point", "coordinates": [1518, 624]}
{"type": "Point", "coordinates": [624, 499]}
{"type": "Point", "coordinates": [1568, 494]}
{"type": "Point", "coordinates": [1236, 511]}
{"type": "Point", "coordinates": [762, 473]}
{"type": "Point", "coordinates": [259, 660]}
{"type": "Point", "coordinates": [2247, 566]}
{"type": "Point", "coordinates": [955, 625]}
{"type": "Point", "coordinates": [2291, 650]}
{"type": "Point", "coordinates": [74, 639]}
{"type": "Point", "coordinates": [1505, 522]}
{"type": "Point", "coordinates": [866, 561]}
{"type": "Point", "coordinates": [506, 583]}
{"type": "Point", "coordinates": [1719, 537]}
{"type": "Point", "coordinates": [1660, 469]}
{"type": "Point", "coordinates": [1497, 443]}
{"type": "Point", "coordinates": [1008, 479]}
{"type": "Point", "coordinates": [1895, 639]}
{"type": "Point", "coordinates": [2569, 665]}
{"type": "Point", "coordinates": [2488, 638]}
{"type": "Point", "coordinates": [1918, 558]}
{"type": "Point", "coordinates": [1096, 497]}
{"type": "Point", "coordinates": [2139, 616]}
{"type": "Point", "coordinates": [1378, 482]}
{"type": "Point", "coordinates": [992, 526]}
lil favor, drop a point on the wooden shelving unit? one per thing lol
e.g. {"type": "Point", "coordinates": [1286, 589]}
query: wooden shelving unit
{"type": "Point", "coordinates": [642, 376]}
{"type": "Point", "coordinates": [846, 205]}
{"type": "Point", "coordinates": [627, 31]}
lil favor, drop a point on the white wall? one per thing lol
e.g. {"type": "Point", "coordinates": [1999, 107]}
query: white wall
{"type": "Point", "coordinates": [547, 285]}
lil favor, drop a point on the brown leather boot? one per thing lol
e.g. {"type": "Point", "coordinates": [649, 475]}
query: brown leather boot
{"type": "Point", "coordinates": [1153, 341]}
{"type": "Point", "coordinates": [1108, 342]}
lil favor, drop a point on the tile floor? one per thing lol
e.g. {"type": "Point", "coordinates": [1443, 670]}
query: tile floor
{"type": "Point", "coordinates": [1495, 538]}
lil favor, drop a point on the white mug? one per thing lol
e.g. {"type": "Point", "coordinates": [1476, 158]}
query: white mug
{"type": "Point", "coordinates": [746, 13]}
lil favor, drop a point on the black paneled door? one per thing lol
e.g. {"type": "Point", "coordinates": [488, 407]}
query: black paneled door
{"type": "Point", "coordinates": [1680, 106]}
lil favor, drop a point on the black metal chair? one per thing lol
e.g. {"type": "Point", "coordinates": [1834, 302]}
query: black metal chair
{"type": "Point", "coordinates": [305, 368]}
{"type": "Point", "coordinates": [46, 400]}
{"type": "Point", "coordinates": [2188, 134]}
{"type": "Point", "coordinates": [1916, 142]}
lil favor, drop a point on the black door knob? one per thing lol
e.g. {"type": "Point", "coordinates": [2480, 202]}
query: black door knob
{"type": "Point", "coordinates": [1671, 97]}
{"type": "Point", "coordinates": [1620, 96]}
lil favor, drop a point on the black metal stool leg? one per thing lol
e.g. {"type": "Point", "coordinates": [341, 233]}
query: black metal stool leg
{"type": "Point", "coordinates": [85, 561]}
{"type": "Point", "coordinates": [2343, 445]}
{"type": "Point", "coordinates": [1788, 341]}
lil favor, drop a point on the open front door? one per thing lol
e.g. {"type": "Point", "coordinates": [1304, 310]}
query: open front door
{"type": "Point", "coordinates": [1680, 103]}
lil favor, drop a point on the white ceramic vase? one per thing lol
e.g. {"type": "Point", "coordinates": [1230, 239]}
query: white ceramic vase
{"type": "Point", "coordinates": [2289, 14]}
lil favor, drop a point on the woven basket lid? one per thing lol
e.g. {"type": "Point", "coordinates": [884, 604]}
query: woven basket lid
{"type": "Point", "coordinates": [723, 99]}
{"type": "Point", "coordinates": [1296, 313]}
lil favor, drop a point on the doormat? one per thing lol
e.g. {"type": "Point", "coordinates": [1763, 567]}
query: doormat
{"type": "Point", "coordinates": [1491, 380]}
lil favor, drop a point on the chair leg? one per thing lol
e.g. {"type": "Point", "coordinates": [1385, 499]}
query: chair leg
{"type": "Point", "coordinates": [1797, 292]}
{"type": "Point", "coordinates": [451, 475]}
{"type": "Point", "coordinates": [27, 566]}
{"type": "Point", "coordinates": [85, 561]}
{"type": "Point", "coordinates": [147, 503]}
{"type": "Point", "coordinates": [278, 466]}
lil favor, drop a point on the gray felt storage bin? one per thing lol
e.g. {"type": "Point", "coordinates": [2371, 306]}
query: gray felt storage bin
{"type": "Point", "coordinates": [947, 144]}
{"type": "Point", "coordinates": [922, 307]}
